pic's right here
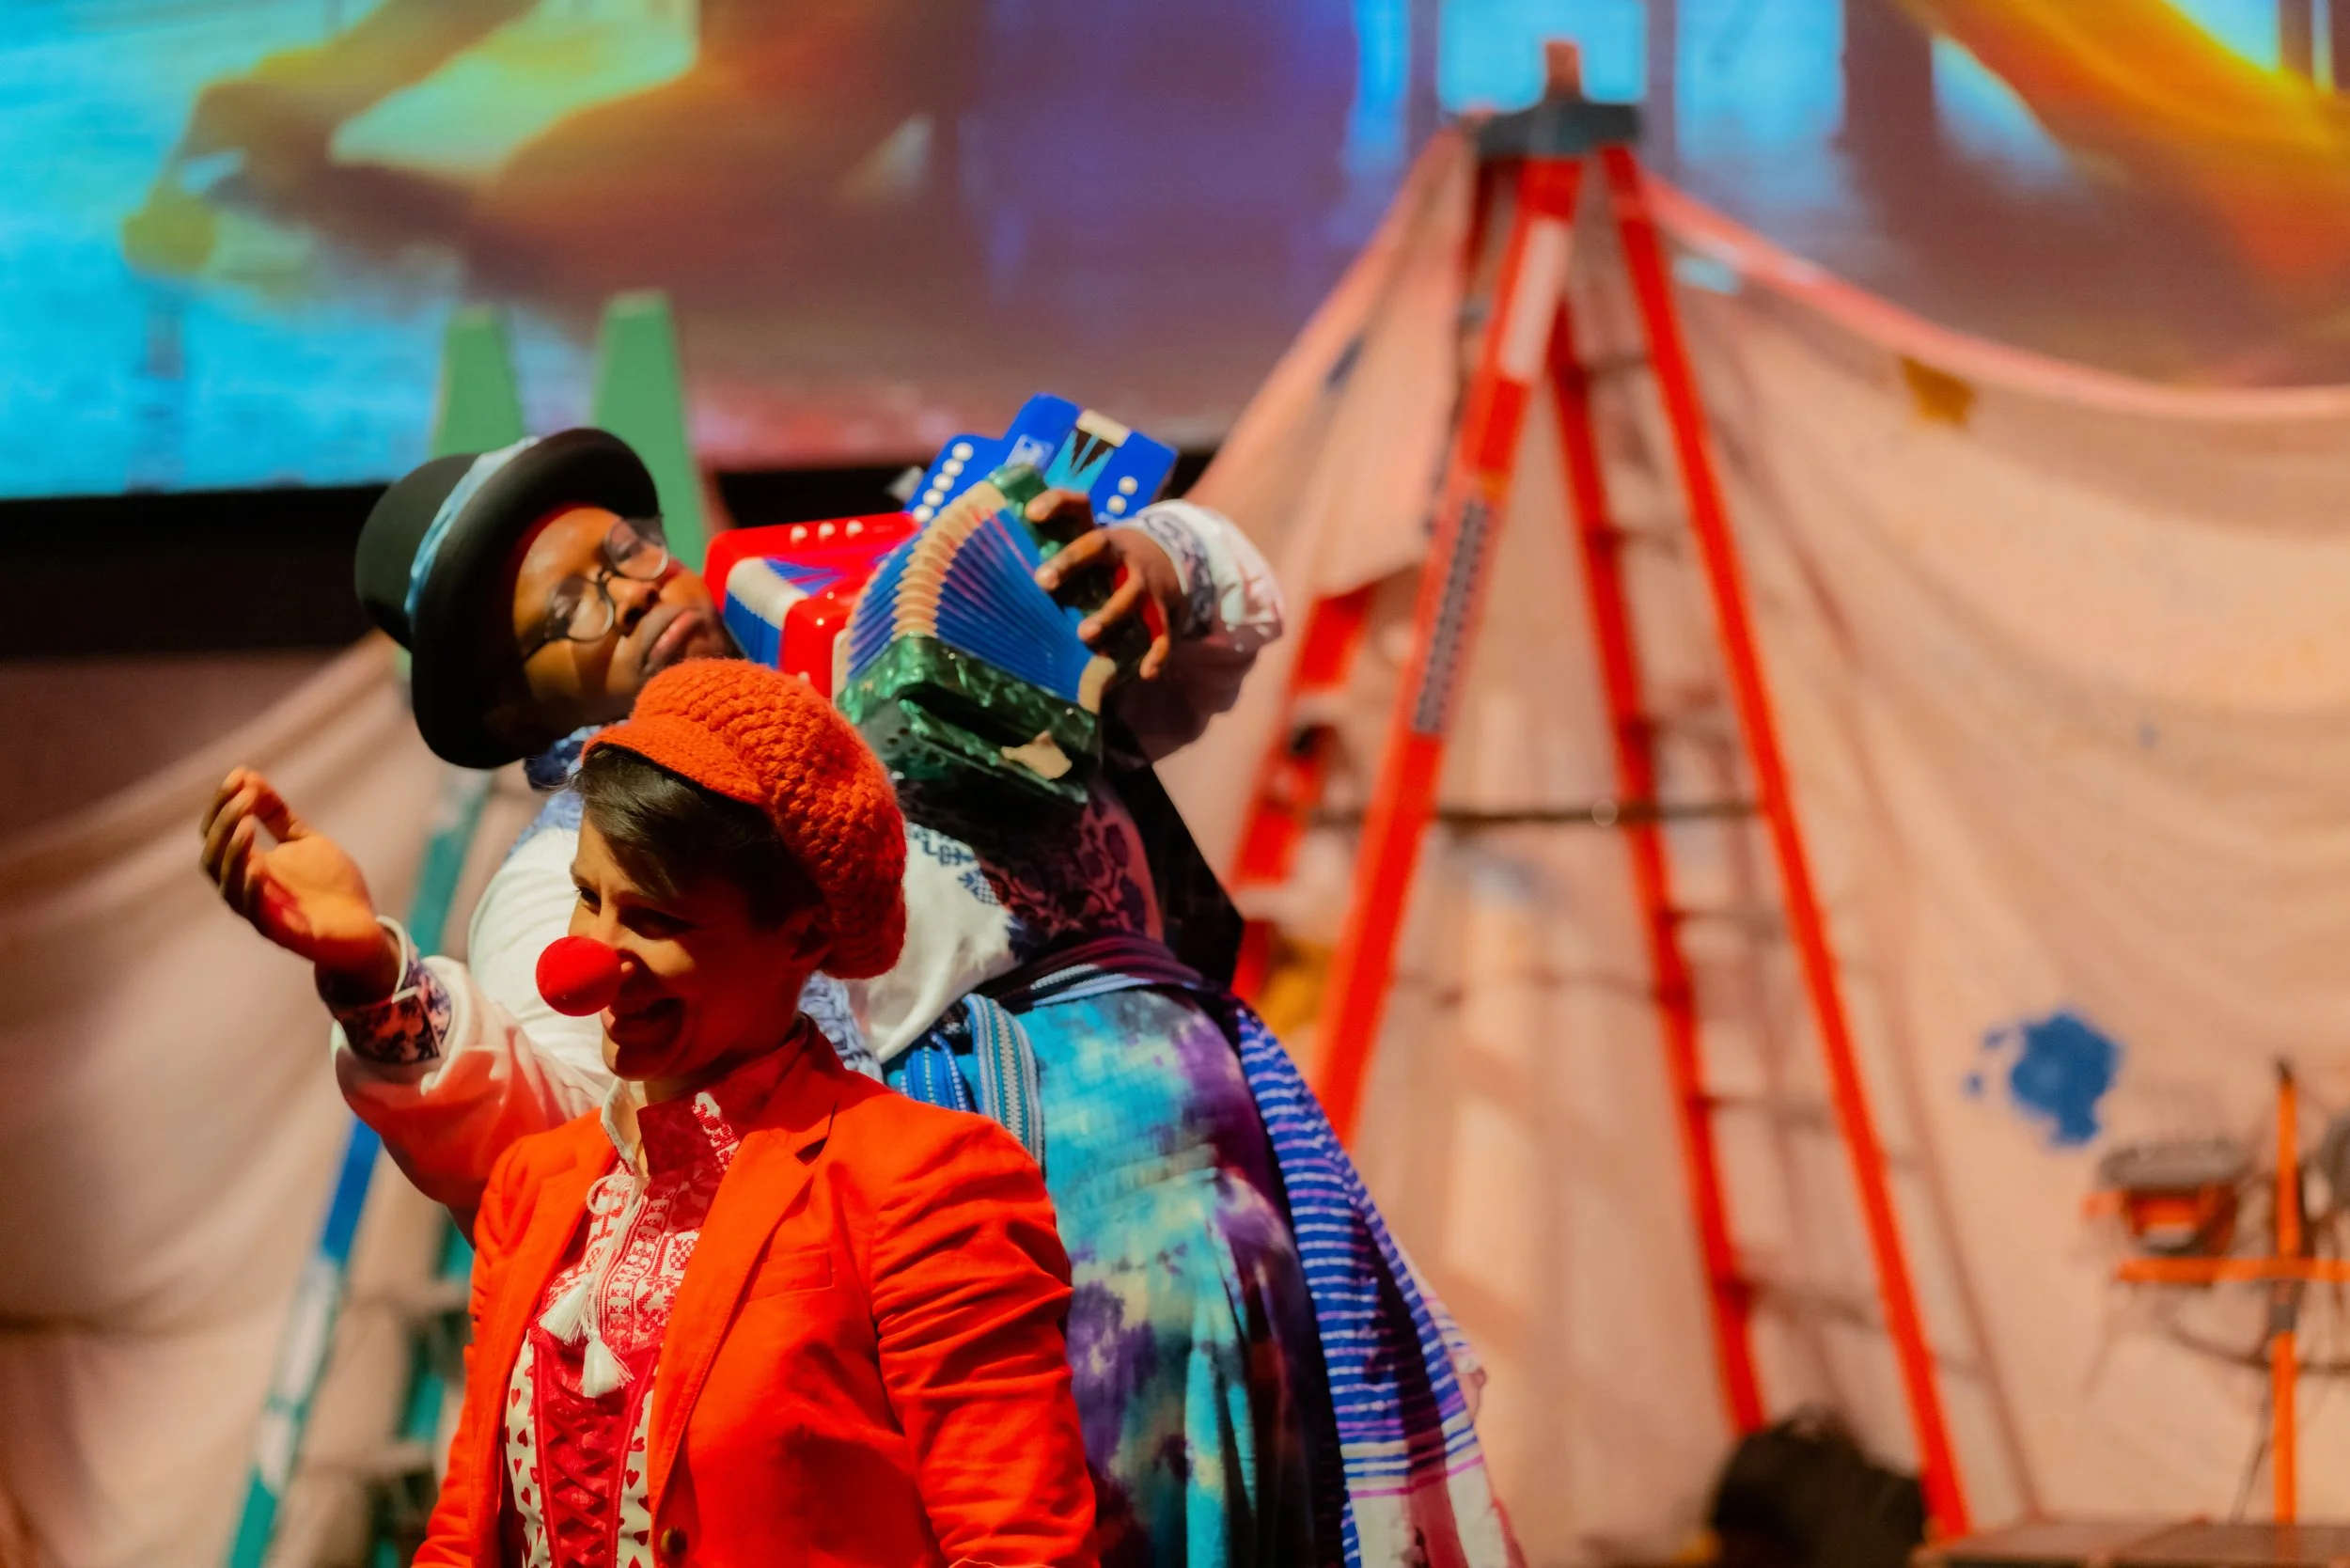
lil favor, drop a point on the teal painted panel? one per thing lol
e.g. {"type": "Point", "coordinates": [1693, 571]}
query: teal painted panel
{"type": "Point", "coordinates": [480, 404]}
{"type": "Point", "coordinates": [640, 398]}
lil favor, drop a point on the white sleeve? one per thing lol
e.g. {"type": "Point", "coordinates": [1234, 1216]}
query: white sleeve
{"type": "Point", "coordinates": [1231, 607]}
{"type": "Point", "coordinates": [462, 1062]}
{"type": "Point", "coordinates": [444, 1120]}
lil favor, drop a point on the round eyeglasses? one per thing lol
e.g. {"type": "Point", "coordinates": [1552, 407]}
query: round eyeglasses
{"type": "Point", "coordinates": [580, 609]}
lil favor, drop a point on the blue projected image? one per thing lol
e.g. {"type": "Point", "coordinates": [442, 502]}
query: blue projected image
{"type": "Point", "coordinates": [1489, 52]}
{"type": "Point", "coordinates": [235, 229]}
{"type": "Point", "coordinates": [2247, 27]}
{"type": "Point", "coordinates": [1989, 122]}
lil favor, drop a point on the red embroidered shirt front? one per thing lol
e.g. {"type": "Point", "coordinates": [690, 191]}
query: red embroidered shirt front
{"type": "Point", "coordinates": [579, 1406]}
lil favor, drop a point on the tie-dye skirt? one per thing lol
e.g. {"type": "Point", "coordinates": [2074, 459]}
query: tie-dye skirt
{"type": "Point", "coordinates": [1198, 1366]}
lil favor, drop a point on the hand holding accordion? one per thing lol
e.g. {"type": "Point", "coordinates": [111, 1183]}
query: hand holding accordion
{"type": "Point", "coordinates": [961, 672]}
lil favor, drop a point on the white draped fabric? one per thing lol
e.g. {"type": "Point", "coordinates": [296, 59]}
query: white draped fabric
{"type": "Point", "coordinates": [2062, 668]}
{"type": "Point", "coordinates": [168, 1124]}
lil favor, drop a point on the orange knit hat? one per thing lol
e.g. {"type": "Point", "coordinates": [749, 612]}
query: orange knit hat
{"type": "Point", "coordinates": [760, 736]}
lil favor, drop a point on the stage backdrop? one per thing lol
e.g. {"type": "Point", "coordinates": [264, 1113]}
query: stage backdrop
{"type": "Point", "coordinates": [233, 229]}
{"type": "Point", "coordinates": [2063, 681]}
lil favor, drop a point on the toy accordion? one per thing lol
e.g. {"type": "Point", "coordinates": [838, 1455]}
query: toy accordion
{"type": "Point", "coordinates": [1120, 470]}
{"type": "Point", "coordinates": [785, 591]}
{"type": "Point", "coordinates": [960, 671]}
{"type": "Point", "coordinates": [927, 627]}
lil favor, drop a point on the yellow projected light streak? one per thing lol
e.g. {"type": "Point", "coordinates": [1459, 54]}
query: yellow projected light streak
{"type": "Point", "coordinates": [2136, 87]}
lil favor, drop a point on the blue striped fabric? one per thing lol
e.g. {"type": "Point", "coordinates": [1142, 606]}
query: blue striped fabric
{"type": "Point", "coordinates": [1002, 1081]}
{"type": "Point", "coordinates": [932, 1077]}
{"type": "Point", "coordinates": [1004, 1063]}
{"type": "Point", "coordinates": [1002, 1085]}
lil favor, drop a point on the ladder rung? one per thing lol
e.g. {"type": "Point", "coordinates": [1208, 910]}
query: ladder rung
{"type": "Point", "coordinates": [423, 1298]}
{"type": "Point", "coordinates": [1763, 918]}
{"type": "Point", "coordinates": [1860, 1311]}
{"type": "Point", "coordinates": [1477, 311]}
{"type": "Point", "coordinates": [1602, 813]}
{"type": "Point", "coordinates": [1600, 366]}
{"type": "Point", "coordinates": [1798, 1295]}
{"type": "Point", "coordinates": [1665, 534]}
{"type": "Point", "coordinates": [1597, 813]}
{"type": "Point", "coordinates": [379, 1463]}
{"type": "Point", "coordinates": [1692, 811]}
{"type": "Point", "coordinates": [1788, 1110]}
{"type": "Point", "coordinates": [1710, 722]}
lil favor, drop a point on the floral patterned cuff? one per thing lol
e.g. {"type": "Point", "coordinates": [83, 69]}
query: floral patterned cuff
{"type": "Point", "coordinates": [1190, 556]}
{"type": "Point", "coordinates": [404, 1028]}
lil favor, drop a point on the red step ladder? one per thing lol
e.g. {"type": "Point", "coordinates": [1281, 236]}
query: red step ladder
{"type": "Point", "coordinates": [1528, 334]}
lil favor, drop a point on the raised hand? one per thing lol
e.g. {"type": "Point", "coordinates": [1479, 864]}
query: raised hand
{"type": "Point", "coordinates": [304, 893]}
{"type": "Point", "coordinates": [1149, 573]}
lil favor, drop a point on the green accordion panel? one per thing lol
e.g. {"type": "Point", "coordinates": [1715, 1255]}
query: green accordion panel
{"type": "Point", "coordinates": [938, 717]}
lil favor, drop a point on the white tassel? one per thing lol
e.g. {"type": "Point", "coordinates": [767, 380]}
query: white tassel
{"type": "Point", "coordinates": [600, 1371]}
{"type": "Point", "coordinates": [573, 1315]}
{"type": "Point", "coordinates": [567, 1320]}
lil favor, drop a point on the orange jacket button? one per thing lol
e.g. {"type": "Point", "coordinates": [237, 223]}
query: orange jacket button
{"type": "Point", "coordinates": [672, 1543]}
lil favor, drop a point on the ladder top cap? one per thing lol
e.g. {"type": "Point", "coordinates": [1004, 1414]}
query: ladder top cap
{"type": "Point", "coordinates": [1559, 128]}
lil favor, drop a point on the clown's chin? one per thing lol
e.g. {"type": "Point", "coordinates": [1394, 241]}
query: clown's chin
{"type": "Point", "coordinates": [638, 1041]}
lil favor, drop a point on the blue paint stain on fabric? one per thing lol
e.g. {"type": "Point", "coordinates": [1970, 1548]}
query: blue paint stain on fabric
{"type": "Point", "coordinates": [2062, 1067]}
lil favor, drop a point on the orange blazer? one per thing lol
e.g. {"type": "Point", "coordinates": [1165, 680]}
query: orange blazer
{"type": "Point", "coordinates": [865, 1364]}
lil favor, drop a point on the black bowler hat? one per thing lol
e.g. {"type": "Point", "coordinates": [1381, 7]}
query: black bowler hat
{"type": "Point", "coordinates": [436, 567]}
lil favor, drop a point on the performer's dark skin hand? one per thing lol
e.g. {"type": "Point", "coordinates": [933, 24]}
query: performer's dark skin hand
{"type": "Point", "coordinates": [303, 893]}
{"type": "Point", "coordinates": [1149, 572]}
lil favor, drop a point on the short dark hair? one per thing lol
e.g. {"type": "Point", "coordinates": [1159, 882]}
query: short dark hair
{"type": "Point", "coordinates": [669, 833]}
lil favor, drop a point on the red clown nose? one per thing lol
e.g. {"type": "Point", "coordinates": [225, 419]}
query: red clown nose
{"type": "Point", "coordinates": [579, 974]}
